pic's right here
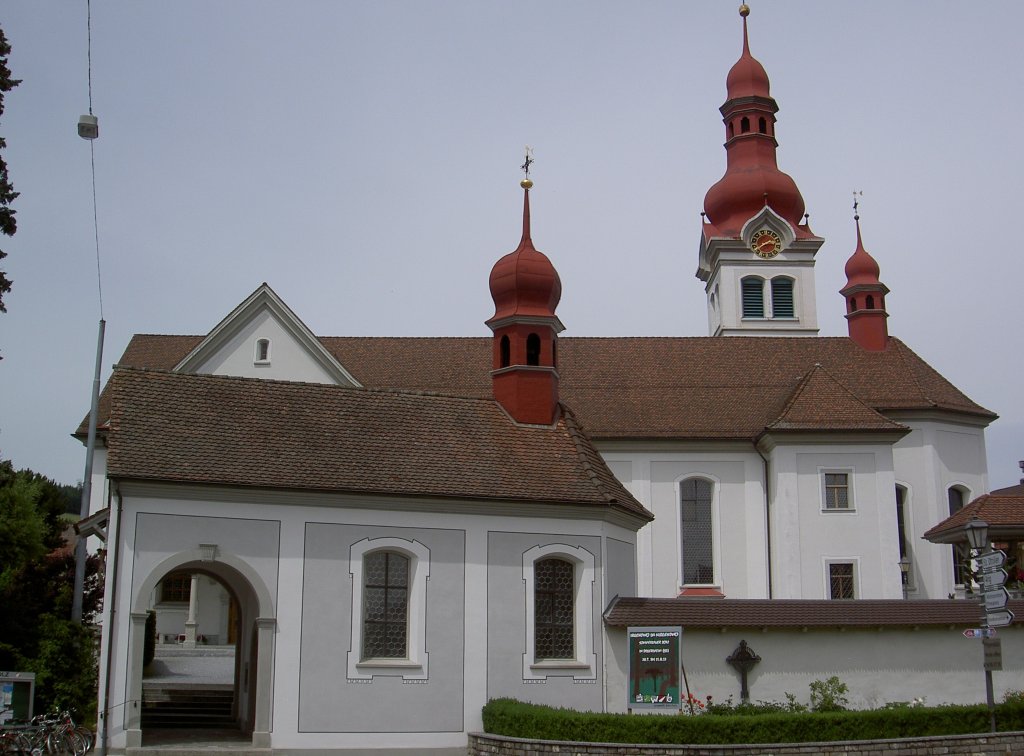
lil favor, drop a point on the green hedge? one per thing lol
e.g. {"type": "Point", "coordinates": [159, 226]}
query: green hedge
{"type": "Point", "coordinates": [522, 720]}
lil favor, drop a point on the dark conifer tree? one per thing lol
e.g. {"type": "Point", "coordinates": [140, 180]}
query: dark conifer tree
{"type": "Point", "coordinates": [7, 194]}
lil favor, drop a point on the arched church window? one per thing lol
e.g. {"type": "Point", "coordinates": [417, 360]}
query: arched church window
{"type": "Point", "coordinates": [752, 294]}
{"type": "Point", "coordinates": [762, 125]}
{"type": "Point", "coordinates": [744, 125]}
{"type": "Point", "coordinates": [506, 351]}
{"type": "Point", "coordinates": [782, 298]}
{"type": "Point", "coordinates": [533, 349]}
{"type": "Point", "coordinates": [554, 609]}
{"type": "Point", "coordinates": [957, 497]}
{"type": "Point", "coordinates": [696, 537]}
{"type": "Point", "coordinates": [385, 605]}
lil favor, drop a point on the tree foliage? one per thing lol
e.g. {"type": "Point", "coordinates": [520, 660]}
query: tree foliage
{"type": "Point", "coordinates": [7, 194]}
{"type": "Point", "coordinates": [36, 583]}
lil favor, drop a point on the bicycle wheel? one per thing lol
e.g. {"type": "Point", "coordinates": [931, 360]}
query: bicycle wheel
{"type": "Point", "coordinates": [87, 735]}
{"type": "Point", "coordinates": [57, 743]}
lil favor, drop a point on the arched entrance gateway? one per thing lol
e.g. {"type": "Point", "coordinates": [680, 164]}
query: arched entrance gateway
{"type": "Point", "coordinates": [252, 615]}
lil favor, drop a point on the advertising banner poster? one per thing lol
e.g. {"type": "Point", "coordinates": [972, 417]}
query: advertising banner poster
{"type": "Point", "coordinates": [654, 668]}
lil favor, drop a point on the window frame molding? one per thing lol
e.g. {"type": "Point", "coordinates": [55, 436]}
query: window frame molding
{"type": "Point", "coordinates": [826, 564]}
{"type": "Point", "coordinates": [584, 665]}
{"type": "Point", "coordinates": [851, 499]}
{"type": "Point", "coordinates": [716, 550]}
{"type": "Point", "coordinates": [415, 665]}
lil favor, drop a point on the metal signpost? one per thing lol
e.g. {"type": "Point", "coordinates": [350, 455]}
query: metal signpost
{"type": "Point", "coordinates": [993, 598]}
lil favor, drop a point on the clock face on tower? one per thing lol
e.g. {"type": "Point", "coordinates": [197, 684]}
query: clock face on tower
{"type": "Point", "coordinates": [766, 243]}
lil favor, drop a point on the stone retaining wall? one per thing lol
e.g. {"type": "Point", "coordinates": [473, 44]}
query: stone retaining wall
{"type": "Point", "coordinates": [1001, 744]}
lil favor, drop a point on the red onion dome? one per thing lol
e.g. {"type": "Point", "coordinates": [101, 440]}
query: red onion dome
{"type": "Point", "coordinates": [747, 77]}
{"type": "Point", "coordinates": [748, 186]}
{"type": "Point", "coordinates": [524, 282]}
{"type": "Point", "coordinates": [861, 268]}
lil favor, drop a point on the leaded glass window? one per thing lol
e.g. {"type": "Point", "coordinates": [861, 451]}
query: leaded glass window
{"type": "Point", "coordinates": [840, 577]}
{"type": "Point", "coordinates": [554, 595]}
{"type": "Point", "coordinates": [385, 605]}
{"type": "Point", "coordinates": [176, 587]}
{"type": "Point", "coordinates": [837, 491]}
{"type": "Point", "coordinates": [696, 536]}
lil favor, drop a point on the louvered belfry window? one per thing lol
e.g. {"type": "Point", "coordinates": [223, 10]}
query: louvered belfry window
{"type": "Point", "coordinates": [697, 541]}
{"type": "Point", "coordinates": [753, 297]}
{"type": "Point", "coordinates": [782, 298]}
{"type": "Point", "coordinates": [385, 605]}
{"type": "Point", "coordinates": [554, 609]}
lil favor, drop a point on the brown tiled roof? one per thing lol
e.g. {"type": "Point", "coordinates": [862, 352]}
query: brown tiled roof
{"type": "Point", "coordinates": [654, 387]}
{"type": "Point", "coordinates": [1017, 490]}
{"type": "Point", "coordinates": [248, 432]}
{"type": "Point", "coordinates": [820, 402]}
{"type": "Point", "coordinates": [1003, 514]}
{"type": "Point", "coordinates": [738, 613]}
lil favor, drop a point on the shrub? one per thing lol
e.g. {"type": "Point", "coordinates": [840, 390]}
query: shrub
{"type": "Point", "coordinates": [518, 719]}
{"type": "Point", "coordinates": [829, 695]}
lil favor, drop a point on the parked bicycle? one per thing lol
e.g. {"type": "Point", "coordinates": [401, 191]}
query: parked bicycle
{"type": "Point", "coordinates": [47, 734]}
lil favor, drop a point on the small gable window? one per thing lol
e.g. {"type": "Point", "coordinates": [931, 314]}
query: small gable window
{"type": "Point", "coordinates": [506, 355]}
{"type": "Point", "coordinates": [752, 289]}
{"type": "Point", "coordinates": [782, 298]}
{"type": "Point", "coordinates": [262, 356]}
{"type": "Point", "coordinates": [533, 349]}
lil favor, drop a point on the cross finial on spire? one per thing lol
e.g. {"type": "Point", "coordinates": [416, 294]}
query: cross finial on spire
{"type": "Point", "coordinates": [856, 204]}
{"type": "Point", "coordinates": [529, 161]}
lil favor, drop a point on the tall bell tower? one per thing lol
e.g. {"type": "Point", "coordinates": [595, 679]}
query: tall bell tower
{"type": "Point", "coordinates": [756, 248]}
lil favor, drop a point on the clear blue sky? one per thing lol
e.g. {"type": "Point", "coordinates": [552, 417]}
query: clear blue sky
{"type": "Point", "coordinates": [362, 158]}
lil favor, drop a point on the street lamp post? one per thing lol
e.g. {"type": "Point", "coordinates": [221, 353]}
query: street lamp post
{"type": "Point", "coordinates": [976, 530]}
{"type": "Point", "coordinates": [904, 572]}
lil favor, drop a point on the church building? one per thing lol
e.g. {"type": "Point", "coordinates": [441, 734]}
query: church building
{"type": "Point", "coordinates": [418, 525]}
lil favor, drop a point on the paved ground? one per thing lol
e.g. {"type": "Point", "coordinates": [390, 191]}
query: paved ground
{"type": "Point", "coordinates": [206, 665]}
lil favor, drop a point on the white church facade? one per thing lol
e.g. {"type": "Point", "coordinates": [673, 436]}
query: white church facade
{"type": "Point", "coordinates": [417, 525]}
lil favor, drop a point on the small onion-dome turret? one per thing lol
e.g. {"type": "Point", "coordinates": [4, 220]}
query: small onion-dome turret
{"type": "Point", "coordinates": [861, 268]}
{"type": "Point", "coordinates": [524, 282]}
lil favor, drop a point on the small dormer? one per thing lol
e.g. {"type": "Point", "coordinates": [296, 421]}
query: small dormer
{"type": "Point", "coordinates": [263, 338]}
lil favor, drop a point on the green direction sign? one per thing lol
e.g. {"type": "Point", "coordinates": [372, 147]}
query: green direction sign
{"type": "Point", "coordinates": [654, 666]}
